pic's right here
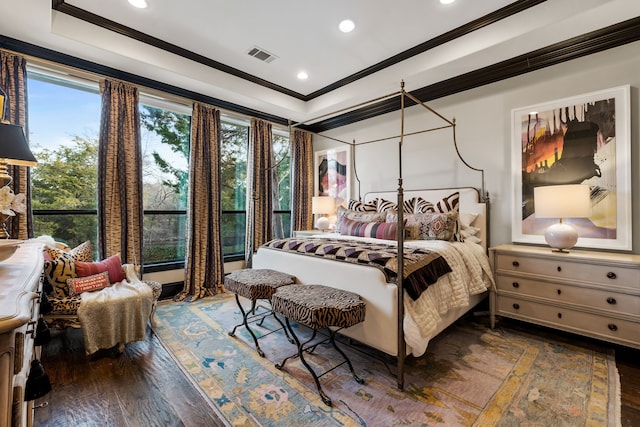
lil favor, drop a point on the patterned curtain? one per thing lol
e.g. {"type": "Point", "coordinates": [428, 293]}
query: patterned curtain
{"type": "Point", "coordinates": [259, 187]}
{"type": "Point", "coordinates": [204, 269]}
{"type": "Point", "coordinates": [13, 78]}
{"type": "Point", "coordinates": [302, 185]}
{"type": "Point", "coordinates": [120, 173]}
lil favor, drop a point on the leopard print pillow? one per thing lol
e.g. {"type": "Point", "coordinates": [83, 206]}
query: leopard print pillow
{"type": "Point", "coordinates": [61, 267]}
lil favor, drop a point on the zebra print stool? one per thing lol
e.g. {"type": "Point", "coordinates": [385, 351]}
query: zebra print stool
{"type": "Point", "coordinates": [318, 306]}
{"type": "Point", "coordinates": [253, 285]}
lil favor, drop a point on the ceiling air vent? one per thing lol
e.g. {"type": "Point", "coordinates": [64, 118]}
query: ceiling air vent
{"type": "Point", "coordinates": [261, 54]}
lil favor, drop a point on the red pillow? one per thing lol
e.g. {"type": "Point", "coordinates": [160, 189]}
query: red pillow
{"type": "Point", "coordinates": [88, 283]}
{"type": "Point", "coordinates": [112, 264]}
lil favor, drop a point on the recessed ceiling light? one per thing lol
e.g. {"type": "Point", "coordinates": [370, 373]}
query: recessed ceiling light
{"type": "Point", "coordinates": [140, 4]}
{"type": "Point", "coordinates": [303, 76]}
{"type": "Point", "coordinates": [346, 26]}
{"type": "Point", "coordinates": [446, 1]}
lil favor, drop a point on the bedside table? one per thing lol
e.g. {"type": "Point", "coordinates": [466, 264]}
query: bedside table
{"type": "Point", "coordinates": [596, 294]}
{"type": "Point", "coordinates": [307, 233]}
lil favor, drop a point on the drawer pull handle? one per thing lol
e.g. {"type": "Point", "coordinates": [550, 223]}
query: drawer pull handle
{"type": "Point", "coordinates": [559, 315]}
{"type": "Point", "coordinates": [612, 327]}
{"type": "Point", "coordinates": [611, 301]}
{"type": "Point", "coordinates": [559, 291]}
{"type": "Point", "coordinates": [611, 275]}
{"type": "Point", "coordinates": [516, 284]}
{"type": "Point", "coordinates": [515, 264]}
{"type": "Point", "coordinates": [559, 268]}
{"type": "Point", "coordinates": [516, 306]}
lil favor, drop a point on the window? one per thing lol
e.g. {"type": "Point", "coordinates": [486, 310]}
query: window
{"type": "Point", "coordinates": [64, 119]}
{"type": "Point", "coordinates": [282, 185]}
{"type": "Point", "coordinates": [165, 136]}
{"type": "Point", "coordinates": [233, 186]}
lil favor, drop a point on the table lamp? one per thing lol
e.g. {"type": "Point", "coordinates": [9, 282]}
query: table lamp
{"type": "Point", "coordinates": [322, 206]}
{"type": "Point", "coordinates": [14, 150]}
{"type": "Point", "coordinates": [562, 201]}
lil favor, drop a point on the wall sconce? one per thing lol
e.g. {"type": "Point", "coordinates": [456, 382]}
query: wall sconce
{"type": "Point", "coordinates": [322, 205]}
{"type": "Point", "coordinates": [562, 201]}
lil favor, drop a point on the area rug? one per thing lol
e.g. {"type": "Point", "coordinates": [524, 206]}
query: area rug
{"type": "Point", "coordinates": [470, 376]}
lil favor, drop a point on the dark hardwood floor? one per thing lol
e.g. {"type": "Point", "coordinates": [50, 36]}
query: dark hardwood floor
{"type": "Point", "coordinates": [140, 387]}
{"type": "Point", "coordinates": [143, 386]}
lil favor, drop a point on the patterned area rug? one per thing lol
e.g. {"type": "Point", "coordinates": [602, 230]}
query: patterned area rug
{"type": "Point", "coordinates": [470, 376]}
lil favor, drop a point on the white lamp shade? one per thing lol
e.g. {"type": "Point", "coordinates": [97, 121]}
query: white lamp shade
{"type": "Point", "coordinates": [322, 205]}
{"type": "Point", "coordinates": [562, 201]}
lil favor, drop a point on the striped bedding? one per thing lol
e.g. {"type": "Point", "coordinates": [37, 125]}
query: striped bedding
{"type": "Point", "coordinates": [422, 266]}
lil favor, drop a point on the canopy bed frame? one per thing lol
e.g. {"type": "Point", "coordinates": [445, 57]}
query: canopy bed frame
{"type": "Point", "coordinates": [476, 200]}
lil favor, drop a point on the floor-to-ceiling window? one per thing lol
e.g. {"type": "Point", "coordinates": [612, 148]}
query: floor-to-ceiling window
{"type": "Point", "coordinates": [64, 122]}
{"type": "Point", "coordinates": [165, 136]}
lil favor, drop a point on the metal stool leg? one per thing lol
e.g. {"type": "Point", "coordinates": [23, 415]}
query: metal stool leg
{"type": "Point", "coordinates": [333, 341]}
{"type": "Point", "coordinates": [246, 325]}
{"type": "Point", "coordinates": [323, 396]}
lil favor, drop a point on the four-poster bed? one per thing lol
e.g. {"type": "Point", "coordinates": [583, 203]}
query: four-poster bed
{"type": "Point", "coordinates": [393, 324]}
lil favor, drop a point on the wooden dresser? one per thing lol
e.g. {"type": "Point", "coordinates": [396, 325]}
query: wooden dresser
{"type": "Point", "coordinates": [596, 294]}
{"type": "Point", "coordinates": [20, 287]}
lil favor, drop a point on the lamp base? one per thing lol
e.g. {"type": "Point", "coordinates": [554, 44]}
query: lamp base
{"type": "Point", "coordinates": [322, 223]}
{"type": "Point", "coordinates": [561, 236]}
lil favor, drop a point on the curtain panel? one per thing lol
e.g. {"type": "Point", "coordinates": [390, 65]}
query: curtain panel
{"type": "Point", "coordinates": [13, 78]}
{"type": "Point", "coordinates": [204, 264]}
{"type": "Point", "coordinates": [120, 209]}
{"type": "Point", "coordinates": [259, 187]}
{"type": "Point", "coordinates": [302, 180]}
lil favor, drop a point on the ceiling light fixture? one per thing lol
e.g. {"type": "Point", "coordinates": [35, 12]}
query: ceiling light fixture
{"type": "Point", "coordinates": [446, 1]}
{"type": "Point", "coordinates": [303, 76]}
{"type": "Point", "coordinates": [140, 4]}
{"type": "Point", "coordinates": [346, 26]}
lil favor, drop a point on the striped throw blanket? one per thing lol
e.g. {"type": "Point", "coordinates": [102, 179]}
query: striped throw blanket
{"type": "Point", "coordinates": [422, 267]}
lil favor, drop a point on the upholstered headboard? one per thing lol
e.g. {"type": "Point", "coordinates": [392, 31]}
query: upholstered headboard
{"type": "Point", "coordinates": [469, 204]}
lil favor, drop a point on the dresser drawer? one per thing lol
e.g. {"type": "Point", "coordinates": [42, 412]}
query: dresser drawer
{"type": "Point", "coordinates": [591, 272]}
{"type": "Point", "coordinates": [599, 299]}
{"type": "Point", "coordinates": [598, 326]}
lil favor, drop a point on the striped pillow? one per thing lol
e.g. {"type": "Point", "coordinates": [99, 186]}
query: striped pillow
{"type": "Point", "coordinates": [357, 216]}
{"type": "Point", "coordinates": [358, 206]}
{"type": "Point", "coordinates": [378, 230]}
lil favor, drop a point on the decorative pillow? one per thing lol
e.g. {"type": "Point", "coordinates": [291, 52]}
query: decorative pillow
{"type": "Point", "coordinates": [358, 206]}
{"type": "Point", "coordinates": [378, 230]}
{"type": "Point", "coordinates": [57, 272]}
{"type": "Point", "coordinates": [451, 203]}
{"type": "Point", "coordinates": [112, 264]}
{"type": "Point", "coordinates": [417, 205]}
{"type": "Point", "coordinates": [91, 283]}
{"type": "Point", "coordinates": [428, 226]}
{"type": "Point", "coordinates": [82, 252]}
{"type": "Point", "coordinates": [375, 205]}
{"type": "Point", "coordinates": [61, 266]}
{"type": "Point", "coordinates": [357, 216]}
{"type": "Point", "coordinates": [436, 226]}
{"type": "Point", "coordinates": [383, 205]}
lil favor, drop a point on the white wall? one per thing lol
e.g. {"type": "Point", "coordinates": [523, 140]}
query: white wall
{"type": "Point", "coordinates": [483, 129]}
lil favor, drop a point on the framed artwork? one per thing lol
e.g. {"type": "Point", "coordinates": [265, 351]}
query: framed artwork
{"type": "Point", "coordinates": [583, 139]}
{"type": "Point", "coordinates": [332, 173]}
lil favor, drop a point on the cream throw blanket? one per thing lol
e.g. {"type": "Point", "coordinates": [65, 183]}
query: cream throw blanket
{"type": "Point", "coordinates": [117, 314]}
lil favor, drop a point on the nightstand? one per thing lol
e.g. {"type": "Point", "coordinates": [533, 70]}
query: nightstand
{"type": "Point", "coordinates": [596, 294]}
{"type": "Point", "coordinates": [307, 233]}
